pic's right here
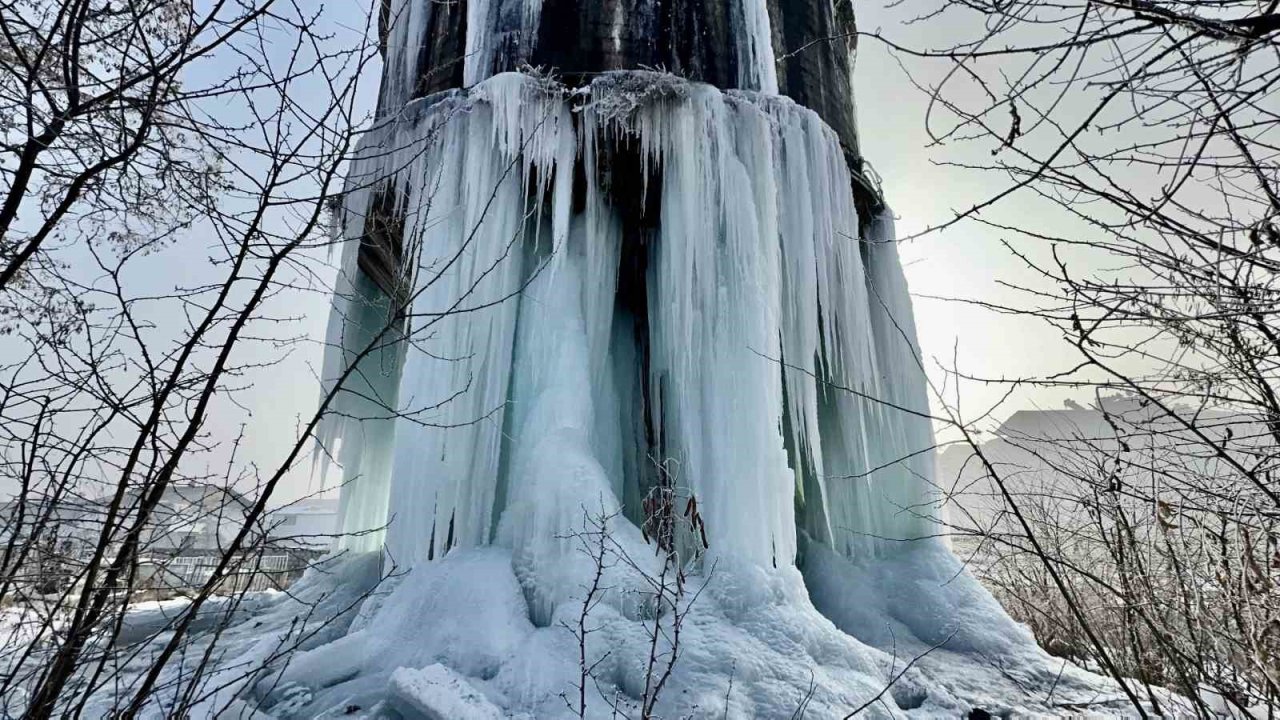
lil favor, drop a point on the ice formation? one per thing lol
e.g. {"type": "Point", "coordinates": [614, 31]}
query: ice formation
{"type": "Point", "coordinates": [587, 292]}
{"type": "Point", "coordinates": [763, 344]}
{"type": "Point", "coordinates": [453, 638]}
{"type": "Point", "coordinates": [640, 275]}
{"type": "Point", "coordinates": [631, 282]}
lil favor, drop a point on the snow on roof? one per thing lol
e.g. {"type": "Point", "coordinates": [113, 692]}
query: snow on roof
{"type": "Point", "coordinates": [309, 506]}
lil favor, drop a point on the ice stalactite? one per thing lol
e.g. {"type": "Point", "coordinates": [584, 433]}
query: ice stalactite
{"type": "Point", "coordinates": [750, 339]}
{"type": "Point", "coordinates": [757, 69]}
{"type": "Point", "coordinates": [364, 353]}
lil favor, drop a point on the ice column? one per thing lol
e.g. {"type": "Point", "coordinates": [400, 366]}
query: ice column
{"type": "Point", "coordinates": [773, 366]}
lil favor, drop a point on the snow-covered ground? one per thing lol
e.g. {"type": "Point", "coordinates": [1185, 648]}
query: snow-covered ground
{"type": "Point", "coordinates": [453, 639]}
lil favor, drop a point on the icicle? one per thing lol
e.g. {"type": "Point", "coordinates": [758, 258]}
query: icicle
{"type": "Point", "coordinates": [757, 69]}
{"type": "Point", "coordinates": [777, 364]}
{"type": "Point", "coordinates": [478, 62]}
{"type": "Point", "coordinates": [502, 33]}
{"type": "Point", "coordinates": [904, 382]}
{"type": "Point", "coordinates": [509, 27]}
{"type": "Point", "coordinates": [556, 475]}
{"type": "Point", "coordinates": [407, 21]}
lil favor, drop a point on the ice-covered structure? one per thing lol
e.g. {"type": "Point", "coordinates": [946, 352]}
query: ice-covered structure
{"type": "Point", "coordinates": [734, 311]}
{"type": "Point", "coordinates": [564, 288]}
{"type": "Point", "coordinates": [733, 320]}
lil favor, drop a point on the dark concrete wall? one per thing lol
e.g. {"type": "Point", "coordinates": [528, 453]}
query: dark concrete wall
{"type": "Point", "coordinates": [812, 39]}
{"type": "Point", "coordinates": [813, 43]}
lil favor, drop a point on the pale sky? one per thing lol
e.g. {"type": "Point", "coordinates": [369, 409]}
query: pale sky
{"type": "Point", "coordinates": [966, 261]}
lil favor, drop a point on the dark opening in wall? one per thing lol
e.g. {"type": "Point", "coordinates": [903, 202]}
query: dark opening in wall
{"type": "Point", "coordinates": [382, 246]}
{"type": "Point", "coordinates": [636, 198]}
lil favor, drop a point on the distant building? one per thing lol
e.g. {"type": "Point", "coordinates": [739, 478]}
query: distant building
{"type": "Point", "coordinates": [1051, 457]}
{"type": "Point", "coordinates": [191, 527]}
{"type": "Point", "coordinates": [307, 524]}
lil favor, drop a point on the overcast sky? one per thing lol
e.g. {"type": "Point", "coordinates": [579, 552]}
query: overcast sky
{"type": "Point", "coordinates": [967, 261]}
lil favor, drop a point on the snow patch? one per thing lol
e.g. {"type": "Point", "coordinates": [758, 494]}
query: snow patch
{"type": "Point", "coordinates": [438, 693]}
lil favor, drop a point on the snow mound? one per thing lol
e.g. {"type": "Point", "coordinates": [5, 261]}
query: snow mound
{"type": "Point", "coordinates": [921, 606]}
{"type": "Point", "coordinates": [453, 639]}
{"type": "Point", "coordinates": [438, 693]}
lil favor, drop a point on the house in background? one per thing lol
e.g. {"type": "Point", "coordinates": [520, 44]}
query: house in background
{"type": "Point", "coordinates": [186, 539]}
{"type": "Point", "coordinates": [1049, 459]}
{"type": "Point", "coordinates": [307, 524]}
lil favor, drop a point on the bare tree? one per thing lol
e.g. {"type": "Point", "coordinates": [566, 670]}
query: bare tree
{"type": "Point", "coordinates": [150, 137]}
{"type": "Point", "coordinates": [1144, 130]}
{"type": "Point", "coordinates": [674, 527]}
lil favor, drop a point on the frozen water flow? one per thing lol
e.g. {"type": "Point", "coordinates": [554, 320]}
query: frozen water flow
{"type": "Point", "coordinates": [501, 34]}
{"type": "Point", "coordinates": [775, 355]}
{"type": "Point", "coordinates": [643, 281]}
